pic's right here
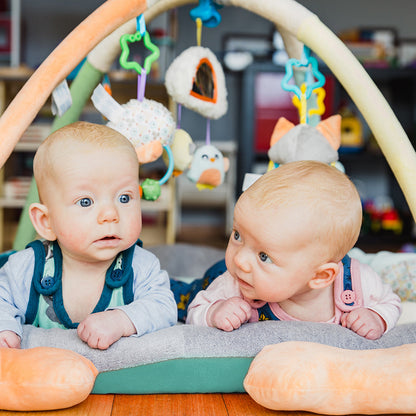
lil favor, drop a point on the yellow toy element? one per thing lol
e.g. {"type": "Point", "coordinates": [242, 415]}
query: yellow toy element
{"type": "Point", "coordinates": [320, 97]}
{"type": "Point", "coordinates": [182, 149]}
{"type": "Point", "coordinates": [302, 104]}
{"type": "Point", "coordinates": [299, 375]}
{"type": "Point", "coordinates": [198, 22]}
{"type": "Point", "coordinates": [351, 130]}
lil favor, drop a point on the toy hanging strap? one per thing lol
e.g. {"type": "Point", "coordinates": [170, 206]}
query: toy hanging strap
{"type": "Point", "coordinates": [141, 77]}
{"type": "Point", "coordinates": [198, 31]}
{"type": "Point", "coordinates": [178, 124]}
{"type": "Point", "coordinates": [208, 133]}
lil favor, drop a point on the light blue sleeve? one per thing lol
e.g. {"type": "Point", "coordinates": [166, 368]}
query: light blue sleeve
{"type": "Point", "coordinates": [154, 305]}
{"type": "Point", "coordinates": [15, 281]}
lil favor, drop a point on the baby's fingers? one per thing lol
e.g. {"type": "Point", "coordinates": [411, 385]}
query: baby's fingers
{"type": "Point", "coordinates": [344, 319]}
{"type": "Point", "coordinates": [9, 339]}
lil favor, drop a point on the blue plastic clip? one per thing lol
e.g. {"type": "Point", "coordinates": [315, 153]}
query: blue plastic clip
{"type": "Point", "coordinates": [141, 25]}
{"type": "Point", "coordinates": [207, 12]}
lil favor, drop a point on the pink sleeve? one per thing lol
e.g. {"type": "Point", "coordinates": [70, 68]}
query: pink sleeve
{"type": "Point", "coordinates": [379, 296]}
{"type": "Point", "coordinates": [223, 287]}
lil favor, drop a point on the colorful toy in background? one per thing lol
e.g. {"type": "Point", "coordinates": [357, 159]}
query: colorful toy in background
{"type": "Point", "coordinates": [352, 139]}
{"type": "Point", "coordinates": [195, 80]}
{"type": "Point", "coordinates": [380, 216]}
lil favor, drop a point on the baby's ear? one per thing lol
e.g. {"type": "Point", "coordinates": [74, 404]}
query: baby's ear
{"type": "Point", "coordinates": [324, 276]}
{"type": "Point", "coordinates": [39, 215]}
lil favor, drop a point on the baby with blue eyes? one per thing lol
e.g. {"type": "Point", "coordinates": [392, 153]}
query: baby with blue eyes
{"type": "Point", "coordinates": [287, 258]}
{"type": "Point", "coordinates": [87, 271]}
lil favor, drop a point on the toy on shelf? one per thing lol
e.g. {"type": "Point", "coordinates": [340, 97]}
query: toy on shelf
{"type": "Point", "coordinates": [352, 139]}
{"type": "Point", "coordinates": [383, 216]}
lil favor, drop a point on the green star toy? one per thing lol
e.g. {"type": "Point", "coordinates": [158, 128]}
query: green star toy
{"type": "Point", "coordinates": [125, 52]}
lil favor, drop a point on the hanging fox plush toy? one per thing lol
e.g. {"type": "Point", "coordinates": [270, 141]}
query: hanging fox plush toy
{"type": "Point", "coordinates": [290, 142]}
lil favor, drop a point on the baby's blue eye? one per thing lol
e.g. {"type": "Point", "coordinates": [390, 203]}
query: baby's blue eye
{"type": "Point", "coordinates": [124, 199]}
{"type": "Point", "coordinates": [237, 236]}
{"type": "Point", "coordinates": [264, 258]}
{"type": "Point", "coordinates": [85, 202]}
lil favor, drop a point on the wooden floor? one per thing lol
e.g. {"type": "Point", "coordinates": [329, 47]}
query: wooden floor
{"type": "Point", "coordinates": [164, 405]}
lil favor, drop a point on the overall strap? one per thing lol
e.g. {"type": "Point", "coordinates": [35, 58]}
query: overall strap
{"type": "Point", "coordinates": [350, 296]}
{"type": "Point", "coordinates": [347, 297]}
{"type": "Point", "coordinates": [45, 283]}
{"type": "Point", "coordinates": [119, 274]}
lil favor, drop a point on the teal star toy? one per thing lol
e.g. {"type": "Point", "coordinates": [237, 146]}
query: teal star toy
{"type": "Point", "coordinates": [310, 86]}
{"type": "Point", "coordinates": [125, 52]}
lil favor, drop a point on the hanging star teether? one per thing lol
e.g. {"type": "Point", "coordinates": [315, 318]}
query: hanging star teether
{"type": "Point", "coordinates": [125, 52]}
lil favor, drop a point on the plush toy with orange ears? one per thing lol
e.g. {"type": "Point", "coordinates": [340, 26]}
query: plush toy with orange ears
{"type": "Point", "coordinates": [291, 142]}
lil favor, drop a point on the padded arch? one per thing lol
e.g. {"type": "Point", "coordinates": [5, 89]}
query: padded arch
{"type": "Point", "coordinates": [58, 65]}
{"type": "Point", "coordinates": [294, 21]}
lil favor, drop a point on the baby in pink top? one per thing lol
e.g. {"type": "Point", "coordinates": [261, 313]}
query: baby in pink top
{"type": "Point", "coordinates": [287, 257]}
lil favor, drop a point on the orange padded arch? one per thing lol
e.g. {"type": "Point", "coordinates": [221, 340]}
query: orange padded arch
{"type": "Point", "coordinates": [27, 103]}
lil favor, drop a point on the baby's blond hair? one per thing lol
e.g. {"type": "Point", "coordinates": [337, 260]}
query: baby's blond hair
{"type": "Point", "coordinates": [66, 138]}
{"type": "Point", "coordinates": [326, 195]}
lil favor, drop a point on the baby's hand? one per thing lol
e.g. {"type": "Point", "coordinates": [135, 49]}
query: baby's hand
{"type": "Point", "coordinates": [364, 322]}
{"type": "Point", "coordinates": [229, 314]}
{"type": "Point", "coordinates": [101, 329]}
{"type": "Point", "coordinates": [9, 339]}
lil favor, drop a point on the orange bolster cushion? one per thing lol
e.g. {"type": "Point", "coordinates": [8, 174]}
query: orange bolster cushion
{"type": "Point", "coordinates": [44, 378]}
{"type": "Point", "coordinates": [328, 380]}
